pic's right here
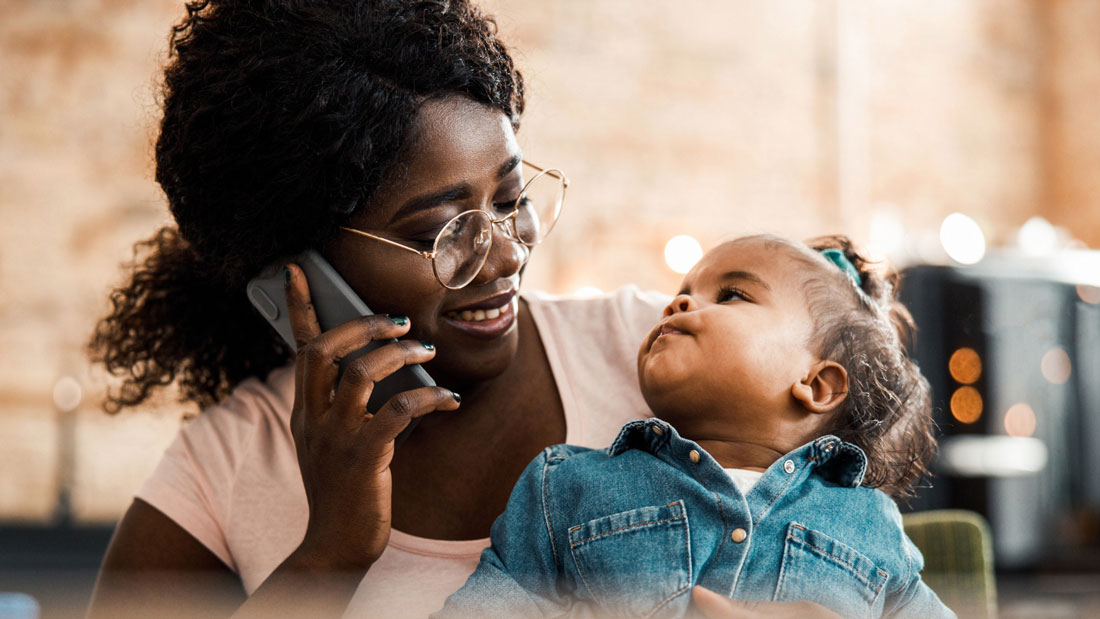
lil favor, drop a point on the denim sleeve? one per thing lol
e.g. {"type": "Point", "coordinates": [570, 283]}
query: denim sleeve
{"type": "Point", "coordinates": [914, 598]}
{"type": "Point", "coordinates": [518, 573]}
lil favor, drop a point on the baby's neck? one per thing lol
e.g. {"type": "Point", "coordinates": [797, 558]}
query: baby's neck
{"type": "Point", "coordinates": [733, 454]}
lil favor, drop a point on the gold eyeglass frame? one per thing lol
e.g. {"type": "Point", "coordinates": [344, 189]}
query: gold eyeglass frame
{"type": "Point", "coordinates": [552, 172]}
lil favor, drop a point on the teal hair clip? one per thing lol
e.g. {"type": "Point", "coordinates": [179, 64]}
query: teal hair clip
{"type": "Point", "coordinates": [838, 258]}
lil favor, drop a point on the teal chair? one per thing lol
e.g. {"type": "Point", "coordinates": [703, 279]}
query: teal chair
{"type": "Point", "coordinates": [958, 559]}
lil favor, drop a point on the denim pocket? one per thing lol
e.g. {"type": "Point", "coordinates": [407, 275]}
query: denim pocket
{"type": "Point", "coordinates": [821, 569]}
{"type": "Point", "coordinates": [634, 562]}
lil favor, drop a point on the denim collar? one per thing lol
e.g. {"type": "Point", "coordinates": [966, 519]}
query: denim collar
{"type": "Point", "coordinates": [835, 460]}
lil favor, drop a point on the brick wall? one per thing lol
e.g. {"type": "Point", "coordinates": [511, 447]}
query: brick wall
{"type": "Point", "coordinates": [701, 117]}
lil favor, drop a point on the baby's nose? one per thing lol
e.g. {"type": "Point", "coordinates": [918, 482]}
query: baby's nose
{"type": "Point", "coordinates": [681, 303]}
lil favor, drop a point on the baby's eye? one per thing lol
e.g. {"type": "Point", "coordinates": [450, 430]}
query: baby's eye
{"type": "Point", "coordinates": [731, 294]}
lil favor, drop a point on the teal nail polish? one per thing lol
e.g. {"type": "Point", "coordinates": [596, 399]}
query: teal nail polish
{"type": "Point", "coordinates": [286, 275]}
{"type": "Point", "coordinates": [427, 345]}
{"type": "Point", "coordinates": [457, 397]}
{"type": "Point", "coordinates": [399, 320]}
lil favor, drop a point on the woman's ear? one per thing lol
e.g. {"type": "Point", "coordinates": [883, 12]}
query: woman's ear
{"type": "Point", "coordinates": [823, 388]}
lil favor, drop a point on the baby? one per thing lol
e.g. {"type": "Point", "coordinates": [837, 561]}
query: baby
{"type": "Point", "coordinates": [787, 412]}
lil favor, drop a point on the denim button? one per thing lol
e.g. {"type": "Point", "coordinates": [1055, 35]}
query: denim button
{"type": "Point", "coordinates": [694, 455]}
{"type": "Point", "coordinates": [738, 535]}
{"type": "Point", "coordinates": [788, 466]}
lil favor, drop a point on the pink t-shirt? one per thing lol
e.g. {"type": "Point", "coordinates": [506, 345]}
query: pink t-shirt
{"type": "Point", "coordinates": [231, 477]}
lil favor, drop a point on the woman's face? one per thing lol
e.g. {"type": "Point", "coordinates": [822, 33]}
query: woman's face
{"type": "Point", "coordinates": [464, 156]}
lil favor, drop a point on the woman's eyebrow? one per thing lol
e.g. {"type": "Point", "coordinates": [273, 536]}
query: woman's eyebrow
{"type": "Point", "coordinates": [458, 191]}
{"type": "Point", "coordinates": [506, 168]}
{"type": "Point", "coordinates": [461, 191]}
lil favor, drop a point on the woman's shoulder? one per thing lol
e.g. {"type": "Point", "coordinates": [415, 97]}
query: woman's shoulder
{"type": "Point", "coordinates": [246, 435]}
{"type": "Point", "coordinates": [625, 297]}
{"type": "Point", "coordinates": [629, 308]}
{"type": "Point", "coordinates": [252, 405]}
{"type": "Point", "coordinates": [591, 344]}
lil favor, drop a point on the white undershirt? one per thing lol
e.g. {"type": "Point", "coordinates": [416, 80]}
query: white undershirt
{"type": "Point", "coordinates": [744, 478]}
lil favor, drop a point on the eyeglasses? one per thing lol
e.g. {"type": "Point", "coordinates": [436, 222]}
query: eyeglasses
{"type": "Point", "coordinates": [463, 245]}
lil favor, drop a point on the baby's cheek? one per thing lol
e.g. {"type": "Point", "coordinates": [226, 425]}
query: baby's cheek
{"type": "Point", "coordinates": [772, 364]}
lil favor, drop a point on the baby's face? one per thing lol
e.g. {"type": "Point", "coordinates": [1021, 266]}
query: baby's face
{"type": "Point", "coordinates": [732, 343]}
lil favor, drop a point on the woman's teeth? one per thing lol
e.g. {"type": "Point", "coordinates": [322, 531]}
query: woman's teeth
{"type": "Point", "coordinates": [479, 315]}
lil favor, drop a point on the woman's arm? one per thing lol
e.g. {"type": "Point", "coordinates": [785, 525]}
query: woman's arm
{"type": "Point", "coordinates": [153, 568]}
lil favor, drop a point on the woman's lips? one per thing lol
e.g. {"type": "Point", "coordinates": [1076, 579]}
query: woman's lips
{"type": "Point", "coordinates": [494, 302]}
{"type": "Point", "coordinates": [484, 323]}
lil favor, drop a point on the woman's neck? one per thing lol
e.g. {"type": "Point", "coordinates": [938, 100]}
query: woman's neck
{"type": "Point", "coordinates": [496, 395]}
{"type": "Point", "coordinates": [467, 461]}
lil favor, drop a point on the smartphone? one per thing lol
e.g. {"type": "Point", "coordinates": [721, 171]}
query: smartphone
{"type": "Point", "coordinates": [335, 303]}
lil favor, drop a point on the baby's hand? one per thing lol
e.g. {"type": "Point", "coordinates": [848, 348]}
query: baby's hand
{"type": "Point", "coordinates": [716, 606]}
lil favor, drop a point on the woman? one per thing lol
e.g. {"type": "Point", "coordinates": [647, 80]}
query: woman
{"type": "Point", "coordinates": [359, 129]}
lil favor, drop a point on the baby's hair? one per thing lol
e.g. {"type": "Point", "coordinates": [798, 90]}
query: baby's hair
{"type": "Point", "coordinates": [864, 328]}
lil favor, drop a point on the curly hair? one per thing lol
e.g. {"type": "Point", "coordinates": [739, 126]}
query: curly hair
{"type": "Point", "coordinates": [864, 328]}
{"type": "Point", "coordinates": [281, 119]}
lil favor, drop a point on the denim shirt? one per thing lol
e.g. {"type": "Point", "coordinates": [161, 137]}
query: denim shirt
{"type": "Point", "coordinates": [628, 531]}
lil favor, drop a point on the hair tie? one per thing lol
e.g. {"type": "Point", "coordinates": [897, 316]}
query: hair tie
{"type": "Point", "coordinates": [838, 258]}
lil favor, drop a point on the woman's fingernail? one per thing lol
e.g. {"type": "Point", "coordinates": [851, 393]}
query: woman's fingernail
{"type": "Point", "coordinates": [457, 397]}
{"type": "Point", "coordinates": [399, 320]}
{"type": "Point", "coordinates": [427, 345]}
{"type": "Point", "coordinates": [286, 275]}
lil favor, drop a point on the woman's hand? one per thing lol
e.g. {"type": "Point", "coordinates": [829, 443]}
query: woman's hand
{"type": "Point", "coordinates": [716, 606]}
{"type": "Point", "coordinates": [344, 452]}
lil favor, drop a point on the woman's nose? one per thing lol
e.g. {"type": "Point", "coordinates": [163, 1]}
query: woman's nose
{"type": "Point", "coordinates": [681, 303]}
{"type": "Point", "coordinates": [505, 258]}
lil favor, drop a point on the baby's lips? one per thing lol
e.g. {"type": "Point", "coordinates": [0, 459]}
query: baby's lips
{"type": "Point", "coordinates": [651, 337]}
{"type": "Point", "coordinates": [667, 329]}
{"type": "Point", "coordinates": [673, 325]}
{"type": "Point", "coordinates": [661, 328]}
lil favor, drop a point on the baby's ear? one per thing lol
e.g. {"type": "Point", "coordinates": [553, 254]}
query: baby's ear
{"type": "Point", "coordinates": [823, 388]}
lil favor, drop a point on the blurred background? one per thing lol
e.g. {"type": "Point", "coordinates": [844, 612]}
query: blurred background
{"type": "Point", "coordinates": [957, 139]}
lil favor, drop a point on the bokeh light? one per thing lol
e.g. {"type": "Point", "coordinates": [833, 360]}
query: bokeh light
{"type": "Point", "coordinates": [973, 455]}
{"type": "Point", "coordinates": [1056, 366]}
{"type": "Point", "coordinates": [887, 234]}
{"type": "Point", "coordinates": [682, 252]}
{"type": "Point", "coordinates": [965, 366]}
{"type": "Point", "coordinates": [1037, 237]}
{"type": "Point", "coordinates": [587, 291]}
{"type": "Point", "coordinates": [962, 239]}
{"type": "Point", "coordinates": [966, 404]}
{"type": "Point", "coordinates": [1020, 420]}
{"type": "Point", "coordinates": [1089, 294]}
{"type": "Point", "coordinates": [67, 394]}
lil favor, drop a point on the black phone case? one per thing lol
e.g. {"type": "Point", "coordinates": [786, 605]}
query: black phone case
{"type": "Point", "coordinates": [335, 303]}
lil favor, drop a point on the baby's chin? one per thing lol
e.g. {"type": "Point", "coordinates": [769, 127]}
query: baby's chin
{"type": "Point", "coordinates": [662, 378]}
{"type": "Point", "coordinates": [666, 405]}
